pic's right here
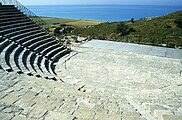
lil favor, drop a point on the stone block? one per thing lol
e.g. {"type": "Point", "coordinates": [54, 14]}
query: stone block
{"type": "Point", "coordinates": [8, 110]}
{"type": "Point", "coordinates": [10, 99]}
{"type": "Point", "coordinates": [171, 117]}
{"type": "Point", "coordinates": [158, 113]}
{"type": "Point", "coordinates": [133, 114]}
{"type": "Point", "coordinates": [84, 112]}
{"type": "Point", "coordinates": [21, 117]}
{"type": "Point", "coordinates": [37, 113]}
{"type": "Point", "coordinates": [59, 116]}
{"type": "Point", "coordinates": [114, 115]}
{"type": "Point", "coordinates": [84, 115]}
{"type": "Point", "coordinates": [151, 107]}
{"type": "Point", "coordinates": [6, 116]}
{"type": "Point", "coordinates": [132, 118]}
{"type": "Point", "coordinates": [2, 94]}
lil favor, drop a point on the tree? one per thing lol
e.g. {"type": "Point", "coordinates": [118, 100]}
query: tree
{"type": "Point", "coordinates": [178, 21]}
{"type": "Point", "coordinates": [122, 29]}
{"type": "Point", "coordinates": [132, 20]}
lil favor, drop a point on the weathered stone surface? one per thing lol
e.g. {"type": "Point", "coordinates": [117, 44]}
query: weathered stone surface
{"type": "Point", "coordinates": [2, 94]}
{"type": "Point", "coordinates": [88, 111]}
{"type": "Point", "coordinates": [158, 113]}
{"type": "Point", "coordinates": [6, 116]}
{"type": "Point", "coordinates": [37, 113]}
{"type": "Point", "coordinates": [59, 116]}
{"type": "Point", "coordinates": [97, 84]}
{"type": "Point", "coordinates": [132, 118]}
{"type": "Point", "coordinates": [133, 114]}
{"type": "Point", "coordinates": [7, 110]}
{"type": "Point", "coordinates": [20, 117]}
{"type": "Point", "coordinates": [171, 117]}
{"type": "Point", "coordinates": [10, 99]}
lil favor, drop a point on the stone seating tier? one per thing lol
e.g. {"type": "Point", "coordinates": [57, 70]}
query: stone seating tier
{"type": "Point", "coordinates": [25, 47]}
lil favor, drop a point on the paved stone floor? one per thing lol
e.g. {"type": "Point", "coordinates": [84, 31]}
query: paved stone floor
{"type": "Point", "coordinates": [99, 84]}
{"type": "Point", "coordinates": [137, 48]}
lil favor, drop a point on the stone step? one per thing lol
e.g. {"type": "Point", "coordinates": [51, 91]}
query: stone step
{"type": "Point", "coordinates": [31, 60]}
{"type": "Point", "coordinates": [13, 18]}
{"type": "Point", "coordinates": [9, 57]}
{"type": "Point", "coordinates": [22, 61]}
{"type": "Point", "coordinates": [15, 25]}
{"type": "Point", "coordinates": [59, 54]}
{"type": "Point", "coordinates": [41, 63]}
{"type": "Point", "coordinates": [54, 52]}
{"type": "Point", "coordinates": [20, 31]}
{"type": "Point", "coordinates": [25, 34]}
{"type": "Point", "coordinates": [8, 7]}
{"type": "Point", "coordinates": [8, 10]}
{"type": "Point", "coordinates": [9, 13]}
{"type": "Point", "coordinates": [44, 46]}
{"type": "Point", "coordinates": [9, 16]}
{"type": "Point", "coordinates": [26, 61]}
{"type": "Point", "coordinates": [49, 49]}
{"type": "Point", "coordinates": [55, 58]}
{"type": "Point", "coordinates": [6, 31]}
{"type": "Point", "coordinates": [46, 64]}
{"type": "Point", "coordinates": [3, 44]}
{"type": "Point", "coordinates": [13, 21]}
{"type": "Point", "coordinates": [4, 65]}
{"type": "Point", "coordinates": [29, 37]}
{"type": "Point", "coordinates": [39, 42]}
{"type": "Point", "coordinates": [16, 56]}
{"type": "Point", "coordinates": [37, 68]}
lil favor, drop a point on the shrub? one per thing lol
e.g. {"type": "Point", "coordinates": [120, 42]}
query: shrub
{"type": "Point", "coordinates": [132, 20]}
{"type": "Point", "coordinates": [122, 29]}
{"type": "Point", "coordinates": [178, 21]}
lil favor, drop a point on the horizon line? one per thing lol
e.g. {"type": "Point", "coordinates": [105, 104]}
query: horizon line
{"type": "Point", "coordinates": [100, 4]}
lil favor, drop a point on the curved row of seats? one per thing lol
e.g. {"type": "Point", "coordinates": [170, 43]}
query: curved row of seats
{"type": "Point", "coordinates": [25, 47]}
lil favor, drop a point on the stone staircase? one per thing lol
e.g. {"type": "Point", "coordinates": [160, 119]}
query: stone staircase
{"type": "Point", "coordinates": [25, 47]}
{"type": "Point", "coordinates": [40, 99]}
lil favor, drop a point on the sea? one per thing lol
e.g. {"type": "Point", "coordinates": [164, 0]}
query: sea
{"type": "Point", "coordinates": [103, 12]}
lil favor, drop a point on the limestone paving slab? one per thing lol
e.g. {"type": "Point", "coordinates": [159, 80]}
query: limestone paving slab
{"type": "Point", "coordinates": [130, 47]}
{"type": "Point", "coordinates": [97, 85]}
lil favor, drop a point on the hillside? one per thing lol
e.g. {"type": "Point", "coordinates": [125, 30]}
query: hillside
{"type": "Point", "coordinates": [56, 22]}
{"type": "Point", "coordinates": [159, 31]}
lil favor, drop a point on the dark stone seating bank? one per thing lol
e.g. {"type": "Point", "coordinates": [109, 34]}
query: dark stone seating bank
{"type": "Point", "coordinates": [25, 47]}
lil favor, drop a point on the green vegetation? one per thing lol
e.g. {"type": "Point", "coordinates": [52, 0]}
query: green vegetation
{"type": "Point", "coordinates": [159, 31]}
{"type": "Point", "coordinates": [55, 22]}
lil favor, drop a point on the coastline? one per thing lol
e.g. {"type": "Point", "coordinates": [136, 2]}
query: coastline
{"type": "Point", "coordinates": [112, 13]}
{"type": "Point", "coordinates": [54, 21]}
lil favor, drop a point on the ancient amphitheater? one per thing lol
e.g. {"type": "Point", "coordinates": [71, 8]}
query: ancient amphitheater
{"type": "Point", "coordinates": [41, 79]}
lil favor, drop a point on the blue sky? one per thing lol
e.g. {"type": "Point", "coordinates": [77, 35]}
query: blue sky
{"type": "Point", "coordinates": [128, 2]}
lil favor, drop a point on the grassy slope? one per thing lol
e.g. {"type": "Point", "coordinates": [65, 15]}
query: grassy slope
{"type": "Point", "coordinates": [74, 22]}
{"type": "Point", "coordinates": [155, 31]}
